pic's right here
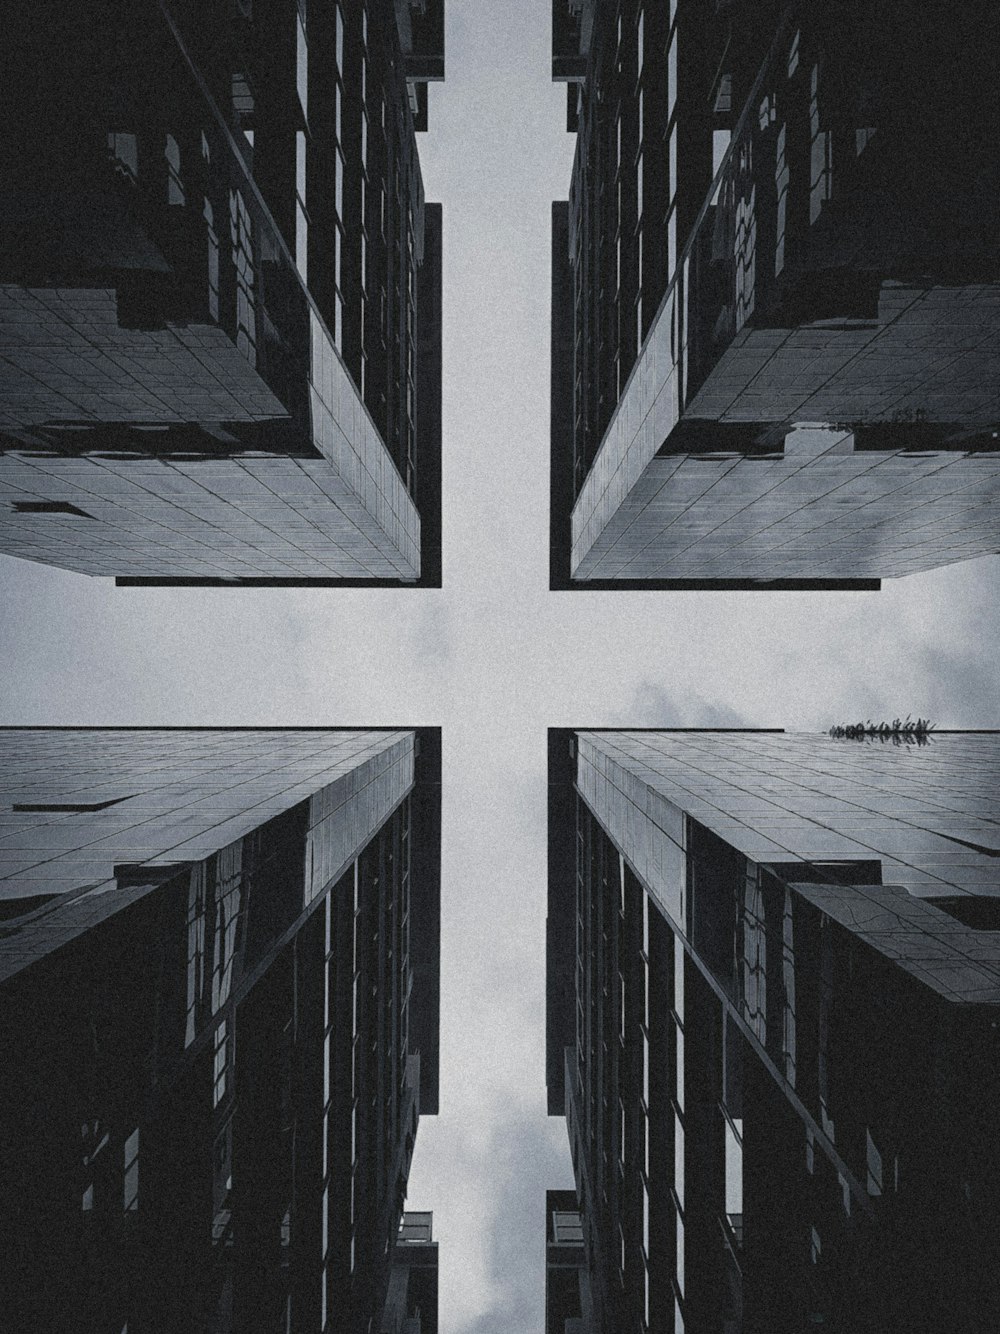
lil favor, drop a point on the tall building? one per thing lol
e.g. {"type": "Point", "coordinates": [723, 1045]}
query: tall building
{"type": "Point", "coordinates": [776, 293]}
{"type": "Point", "coordinates": [220, 305]}
{"type": "Point", "coordinates": [773, 1009]}
{"type": "Point", "coordinates": [219, 1018]}
{"type": "Point", "coordinates": [412, 1304]}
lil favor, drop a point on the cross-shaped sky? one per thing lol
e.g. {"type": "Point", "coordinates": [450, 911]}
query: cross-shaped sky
{"type": "Point", "coordinates": [495, 659]}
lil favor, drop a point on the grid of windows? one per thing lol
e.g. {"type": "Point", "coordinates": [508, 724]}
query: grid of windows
{"type": "Point", "coordinates": [322, 185]}
{"type": "Point", "coordinates": [757, 1107]}
{"type": "Point", "coordinates": [725, 162]}
{"type": "Point", "coordinates": [295, 937]}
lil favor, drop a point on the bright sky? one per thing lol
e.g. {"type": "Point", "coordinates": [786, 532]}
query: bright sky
{"type": "Point", "coordinates": [495, 659]}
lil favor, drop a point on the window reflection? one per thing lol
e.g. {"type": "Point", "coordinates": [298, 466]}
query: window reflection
{"type": "Point", "coordinates": [228, 896]}
{"type": "Point", "coordinates": [124, 149]}
{"type": "Point", "coordinates": [131, 1173]}
{"type": "Point", "coordinates": [241, 241]}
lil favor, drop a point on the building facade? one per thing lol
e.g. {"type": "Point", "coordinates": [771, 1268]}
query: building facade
{"type": "Point", "coordinates": [220, 301]}
{"type": "Point", "coordinates": [219, 983]}
{"type": "Point", "coordinates": [773, 1009]}
{"type": "Point", "coordinates": [776, 293]}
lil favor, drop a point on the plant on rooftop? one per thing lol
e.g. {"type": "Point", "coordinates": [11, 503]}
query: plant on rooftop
{"type": "Point", "coordinates": [900, 729]}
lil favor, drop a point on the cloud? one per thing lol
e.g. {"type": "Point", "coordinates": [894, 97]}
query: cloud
{"type": "Point", "coordinates": [526, 1160]}
{"type": "Point", "coordinates": [651, 705]}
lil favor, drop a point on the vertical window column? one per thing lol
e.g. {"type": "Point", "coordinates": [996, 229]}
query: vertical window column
{"type": "Point", "coordinates": [639, 167]}
{"type": "Point", "coordinates": [338, 180]}
{"type": "Point", "coordinates": [679, 1146]}
{"type": "Point", "coordinates": [356, 1054]}
{"type": "Point", "coordinates": [328, 1038]}
{"type": "Point", "coordinates": [363, 217]}
{"type": "Point", "coordinates": [301, 135]}
{"type": "Point", "coordinates": [130, 1184]}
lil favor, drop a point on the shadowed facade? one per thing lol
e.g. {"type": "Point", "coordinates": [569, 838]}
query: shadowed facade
{"type": "Point", "coordinates": [778, 264]}
{"type": "Point", "coordinates": [219, 976]}
{"type": "Point", "coordinates": [219, 335]}
{"type": "Point", "coordinates": [773, 1005]}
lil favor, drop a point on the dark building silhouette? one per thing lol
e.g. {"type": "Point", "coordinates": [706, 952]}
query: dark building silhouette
{"type": "Point", "coordinates": [776, 293]}
{"type": "Point", "coordinates": [773, 1007]}
{"type": "Point", "coordinates": [220, 307]}
{"type": "Point", "coordinates": [219, 1023]}
{"type": "Point", "coordinates": [412, 1304]}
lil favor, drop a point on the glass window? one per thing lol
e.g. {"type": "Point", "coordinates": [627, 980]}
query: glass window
{"type": "Point", "coordinates": [679, 1269]}
{"type": "Point", "coordinates": [130, 1197]}
{"type": "Point", "coordinates": [679, 1159]}
{"type": "Point", "coordinates": [672, 78]}
{"type": "Point", "coordinates": [720, 145]}
{"type": "Point", "coordinates": [679, 1066]}
{"type": "Point", "coordinates": [196, 936]}
{"type": "Point", "coordinates": [301, 65]}
{"type": "Point", "coordinates": [300, 165]}
{"type": "Point", "coordinates": [734, 1169]}
{"type": "Point", "coordinates": [793, 55]}
{"type": "Point", "coordinates": [301, 242]}
{"type": "Point", "coordinates": [874, 1165]}
{"type": "Point", "coordinates": [221, 1057]}
{"type": "Point", "coordinates": [845, 1193]}
{"type": "Point", "coordinates": [124, 149]}
{"type": "Point", "coordinates": [678, 978]}
{"type": "Point", "coordinates": [213, 275]}
{"type": "Point", "coordinates": [175, 190]}
{"type": "Point", "coordinates": [567, 1228]}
